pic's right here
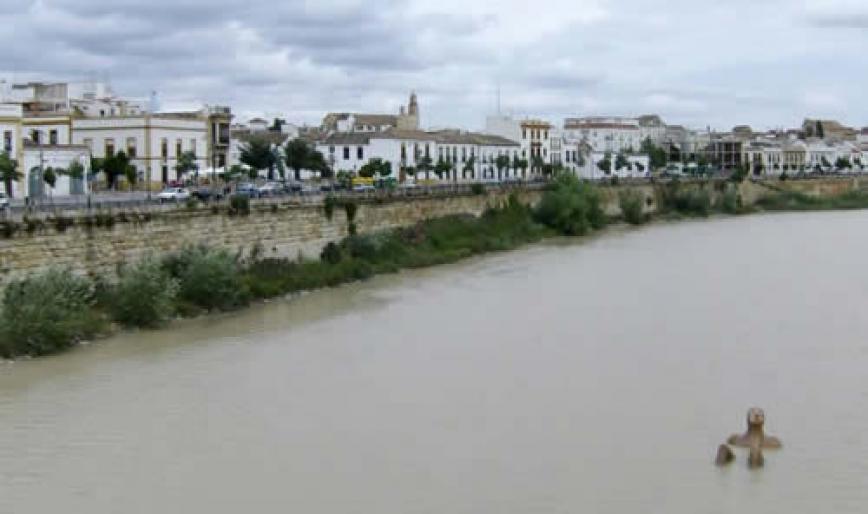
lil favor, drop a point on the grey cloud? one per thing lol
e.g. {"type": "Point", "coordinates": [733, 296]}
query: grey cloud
{"type": "Point", "coordinates": [755, 61]}
{"type": "Point", "coordinates": [840, 21]}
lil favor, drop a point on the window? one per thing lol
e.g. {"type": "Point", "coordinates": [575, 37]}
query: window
{"type": "Point", "coordinates": [109, 147]}
{"type": "Point", "coordinates": [346, 153]}
{"type": "Point", "coordinates": [360, 153]}
{"type": "Point", "coordinates": [164, 148]}
{"type": "Point", "coordinates": [524, 133]}
{"type": "Point", "coordinates": [193, 146]}
{"type": "Point", "coordinates": [52, 137]}
{"type": "Point", "coordinates": [179, 148]}
{"type": "Point", "coordinates": [7, 141]}
{"type": "Point", "coordinates": [34, 136]}
{"type": "Point", "coordinates": [131, 147]}
{"type": "Point", "coordinates": [331, 149]}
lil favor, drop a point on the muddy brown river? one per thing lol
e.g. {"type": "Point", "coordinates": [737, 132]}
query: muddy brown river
{"type": "Point", "coordinates": [595, 376]}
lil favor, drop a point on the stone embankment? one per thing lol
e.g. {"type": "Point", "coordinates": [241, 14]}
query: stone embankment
{"type": "Point", "coordinates": [96, 243]}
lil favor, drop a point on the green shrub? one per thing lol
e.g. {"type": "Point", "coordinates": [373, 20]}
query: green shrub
{"type": "Point", "coordinates": [571, 207]}
{"type": "Point", "coordinates": [477, 189]}
{"type": "Point", "coordinates": [691, 202]}
{"type": "Point", "coordinates": [331, 253]}
{"type": "Point", "coordinates": [350, 208]}
{"type": "Point", "coordinates": [696, 202]}
{"type": "Point", "coordinates": [632, 206]}
{"type": "Point", "coordinates": [144, 295]}
{"type": "Point", "coordinates": [731, 200]}
{"type": "Point", "coordinates": [47, 313]}
{"type": "Point", "coordinates": [329, 206]}
{"type": "Point", "coordinates": [239, 205]}
{"type": "Point", "coordinates": [209, 279]}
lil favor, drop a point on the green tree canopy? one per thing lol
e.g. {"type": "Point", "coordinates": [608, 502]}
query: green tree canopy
{"type": "Point", "coordinates": [375, 166]}
{"type": "Point", "coordinates": [425, 165]}
{"type": "Point", "coordinates": [442, 167]}
{"type": "Point", "coordinates": [298, 156]}
{"type": "Point", "coordinates": [49, 176]}
{"type": "Point", "coordinates": [605, 164]}
{"type": "Point", "coordinates": [75, 170]}
{"type": "Point", "coordinates": [186, 163]}
{"type": "Point", "coordinates": [116, 165]}
{"type": "Point", "coordinates": [502, 163]}
{"type": "Point", "coordinates": [318, 163]}
{"type": "Point", "coordinates": [257, 154]}
{"type": "Point", "coordinates": [621, 161]}
{"type": "Point", "coordinates": [656, 155]}
{"type": "Point", "coordinates": [9, 172]}
{"type": "Point", "coordinates": [469, 166]}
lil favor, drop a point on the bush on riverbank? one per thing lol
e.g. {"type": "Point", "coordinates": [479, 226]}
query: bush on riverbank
{"type": "Point", "coordinates": [431, 242]}
{"type": "Point", "coordinates": [47, 313]}
{"type": "Point", "coordinates": [144, 295]}
{"type": "Point", "coordinates": [209, 279]}
{"type": "Point", "coordinates": [794, 201]}
{"type": "Point", "coordinates": [730, 202]}
{"type": "Point", "coordinates": [685, 201]}
{"type": "Point", "coordinates": [571, 207]}
{"type": "Point", "coordinates": [632, 205]}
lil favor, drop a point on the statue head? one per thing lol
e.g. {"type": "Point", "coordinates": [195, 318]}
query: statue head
{"type": "Point", "coordinates": [756, 418]}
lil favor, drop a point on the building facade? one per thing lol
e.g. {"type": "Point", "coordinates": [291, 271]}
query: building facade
{"type": "Point", "coordinates": [414, 154]}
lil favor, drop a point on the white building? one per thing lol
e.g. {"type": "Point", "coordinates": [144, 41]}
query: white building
{"type": "Point", "coordinates": [153, 142]}
{"type": "Point", "coordinates": [471, 156]}
{"type": "Point", "coordinates": [651, 126]}
{"type": "Point", "coordinates": [90, 115]}
{"type": "Point", "coordinates": [536, 139]}
{"type": "Point", "coordinates": [602, 165]}
{"type": "Point", "coordinates": [59, 158]}
{"type": "Point", "coordinates": [605, 134]}
{"type": "Point", "coordinates": [408, 118]}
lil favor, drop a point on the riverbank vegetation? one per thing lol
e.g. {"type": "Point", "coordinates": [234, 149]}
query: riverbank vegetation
{"type": "Point", "coordinates": [53, 311]}
{"type": "Point", "coordinates": [795, 201]}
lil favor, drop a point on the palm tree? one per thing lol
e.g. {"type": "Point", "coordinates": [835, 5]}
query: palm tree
{"type": "Point", "coordinates": [8, 172]}
{"type": "Point", "coordinates": [502, 163]}
{"type": "Point", "coordinates": [425, 165]}
{"type": "Point", "coordinates": [469, 167]}
{"type": "Point", "coordinates": [442, 167]}
{"type": "Point", "coordinates": [49, 176]}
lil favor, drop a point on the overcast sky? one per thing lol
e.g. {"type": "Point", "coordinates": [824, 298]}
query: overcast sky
{"type": "Point", "coordinates": [768, 63]}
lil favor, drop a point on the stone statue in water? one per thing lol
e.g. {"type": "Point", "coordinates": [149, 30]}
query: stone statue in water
{"type": "Point", "coordinates": [754, 439]}
{"type": "Point", "coordinates": [755, 436]}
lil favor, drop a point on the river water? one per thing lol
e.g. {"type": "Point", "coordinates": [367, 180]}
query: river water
{"type": "Point", "coordinates": [594, 376]}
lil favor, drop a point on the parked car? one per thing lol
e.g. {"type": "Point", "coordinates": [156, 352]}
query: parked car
{"type": "Point", "coordinates": [247, 189]}
{"type": "Point", "coordinates": [363, 188]}
{"type": "Point", "coordinates": [309, 189]}
{"type": "Point", "coordinates": [204, 194]}
{"type": "Point", "coordinates": [4, 202]}
{"type": "Point", "coordinates": [293, 187]}
{"type": "Point", "coordinates": [173, 194]}
{"type": "Point", "coordinates": [270, 189]}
